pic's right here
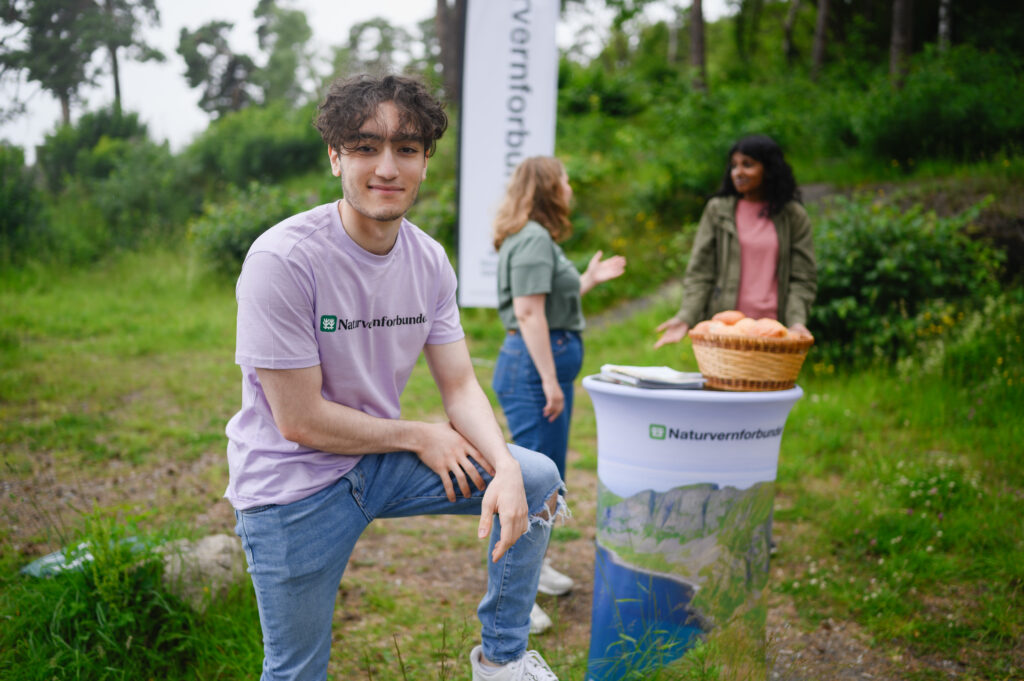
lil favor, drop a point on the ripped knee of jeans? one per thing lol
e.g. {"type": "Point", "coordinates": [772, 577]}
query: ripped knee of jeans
{"type": "Point", "coordinates": [554, 509]}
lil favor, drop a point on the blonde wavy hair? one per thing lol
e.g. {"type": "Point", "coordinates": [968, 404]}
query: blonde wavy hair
{"type": "Point", "coordinates": [534, 193]}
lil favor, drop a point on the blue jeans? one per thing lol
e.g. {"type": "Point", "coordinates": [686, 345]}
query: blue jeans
{"type": "Point", "coordinates": [297, 554]}
{"type": "Point", "coordinates": [518, 386]}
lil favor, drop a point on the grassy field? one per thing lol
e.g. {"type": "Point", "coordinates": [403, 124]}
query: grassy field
{"type": "Point", "coordinates": [898, 506]}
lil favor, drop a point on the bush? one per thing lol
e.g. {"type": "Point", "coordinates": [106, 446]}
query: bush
{"type": "Point", "coordinates": [72, 149]}
{"type": "Point", "coordinates": [264, 144]}
{"type": "Point", "coordinates": [146, 194]}
{"type": "Point", "coordinates": [22, 204]}
{"type": "Point", "coordinates": [883, 271]}
{"type": "Point", "coordinates": [962, 105]}
{"type": "Point", "coordinates": [224, 232]}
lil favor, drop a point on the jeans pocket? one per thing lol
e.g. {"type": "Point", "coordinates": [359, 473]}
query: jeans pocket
{"type": "Point", "coordinates": [507, 370]}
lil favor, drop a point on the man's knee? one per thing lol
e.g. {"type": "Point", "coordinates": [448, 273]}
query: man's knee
{"type": "Point", "coordinates": [550, 508]}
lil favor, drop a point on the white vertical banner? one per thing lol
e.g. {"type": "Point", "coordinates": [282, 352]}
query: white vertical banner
{"type": "Point", "coordinates": [509, 102]}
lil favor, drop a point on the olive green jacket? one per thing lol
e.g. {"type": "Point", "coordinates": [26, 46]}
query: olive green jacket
{"type": "Point", "coordinates": [712, 280]}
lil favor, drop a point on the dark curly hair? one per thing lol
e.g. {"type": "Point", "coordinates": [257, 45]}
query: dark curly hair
{"type": "Point", "coordinates": [350, 101]}
{"type": "Point", "coordinates": [779, 185]}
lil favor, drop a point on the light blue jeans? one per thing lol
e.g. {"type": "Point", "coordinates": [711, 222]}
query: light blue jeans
{"type": "Point", "coordinates": [297, 554]}
{"type": "Point", "coordinates": [518, 387]}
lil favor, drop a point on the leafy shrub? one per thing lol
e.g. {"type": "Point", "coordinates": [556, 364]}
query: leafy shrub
{"type": "Point", "coordinates": [881, 269]}
{"type": "Point", "coordinates": [224, 232]}
{"type": "Point", "coordinates": [147, 193]}
{"type": "Point", "coordinates": [72, 149]}
{"type": "Point", "coordinates": [258, 143]}
{"type": "Point", "coordinates": [21, 203]}
{"type": "Point", "coordinates": [961, 105]}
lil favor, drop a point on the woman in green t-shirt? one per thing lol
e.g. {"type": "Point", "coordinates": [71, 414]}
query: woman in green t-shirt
{"type": "Point", "coordinates": [539, 293]}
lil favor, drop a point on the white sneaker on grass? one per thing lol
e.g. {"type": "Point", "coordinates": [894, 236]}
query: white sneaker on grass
{"type": "Point", "coordinates": [539, 620]}
{"type": "Point", "coordinates": [529, 667]}
{"type": "Point", "coordinates": [553, 582]}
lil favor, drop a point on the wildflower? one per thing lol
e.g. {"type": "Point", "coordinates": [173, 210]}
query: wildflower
{"type": "Point", "coordinates": [929, 548]}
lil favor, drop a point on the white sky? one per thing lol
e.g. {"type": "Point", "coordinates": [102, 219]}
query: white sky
{"type": "Point", "coordinates": [165, 103]}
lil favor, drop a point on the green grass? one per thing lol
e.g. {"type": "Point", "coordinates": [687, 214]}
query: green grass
{"type": "Point", "coordinates": [897, 508]}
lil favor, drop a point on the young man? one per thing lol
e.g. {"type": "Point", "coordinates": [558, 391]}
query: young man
{"type": "Point", "coordinates": [334, 307]}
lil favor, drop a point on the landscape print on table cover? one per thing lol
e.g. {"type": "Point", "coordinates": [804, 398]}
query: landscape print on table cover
{"type": "Point", "coordinates": [714, 539]}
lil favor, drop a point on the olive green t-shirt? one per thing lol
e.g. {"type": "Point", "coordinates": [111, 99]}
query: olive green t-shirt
{"type": "Point", "coordinates": [529, 263]}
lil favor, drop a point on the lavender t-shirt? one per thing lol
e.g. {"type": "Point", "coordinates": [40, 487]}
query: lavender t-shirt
{"type": "Point", "coordinates": [309, 295]}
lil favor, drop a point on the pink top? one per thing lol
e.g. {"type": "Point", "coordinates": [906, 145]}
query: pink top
{"type": "Point", "coordinates": [759, 257]}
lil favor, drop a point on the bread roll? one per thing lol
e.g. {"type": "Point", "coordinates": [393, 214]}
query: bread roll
{"type": "Point", "coordinates": [745, 325]}
{"type": "Point", "coordinates": [728, 316]}
{"type": "Point", "coordinates": [766, 327]}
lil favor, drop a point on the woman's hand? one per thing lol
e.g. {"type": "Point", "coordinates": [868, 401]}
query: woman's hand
{"type": "Point", "coordinates": [599, 271]}
{"type": "Point", "coordinates": [554, 399]}
{"type": "Point", "coordinates": [672, 331]}
{"type": "Point", "coordinates": [801, 330]}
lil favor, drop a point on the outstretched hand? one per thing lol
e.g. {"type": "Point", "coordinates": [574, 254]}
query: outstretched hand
{"type": "Point", "coordinates": [672, 331]}
{"type": "Point", "coordinates": [600, 271]}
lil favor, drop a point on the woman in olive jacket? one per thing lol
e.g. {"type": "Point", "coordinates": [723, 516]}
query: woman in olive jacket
{"type": "Point", "coordinates": [753, 250]}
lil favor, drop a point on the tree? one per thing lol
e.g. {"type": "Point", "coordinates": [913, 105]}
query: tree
{"type": "Point", "coordinates": [900, 44]}
{"type": "Point", "coordinates": [120, 31]}
{"type": "Point", "coordinates": [284, 34]}
{"type": "Point", "coordinates": [223, 75]}
{"type": "Point", "coordinates": [60, 38]}
{"type": "Point", "coordinates": [697, 63]}
{"type": "Point", "coordinates": [788, 47]}
{"type": "Point", "coordinates": [451, 25]}
{"type": "Point", "coordinates": [820, 38]}
{"type": "Point", "coordinates": [944, 24]}
{"type": "Point", "coordinates": [747, 23]}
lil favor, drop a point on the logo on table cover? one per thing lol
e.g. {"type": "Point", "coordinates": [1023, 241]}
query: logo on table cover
{"type": "Point", "coordinates": [657, 431]}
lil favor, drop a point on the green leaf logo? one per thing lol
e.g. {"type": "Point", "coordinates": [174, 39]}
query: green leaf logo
{"type": "Point", "coordinates": [657, 432]}
{"type": "Point", "coordinates": [328, 323]}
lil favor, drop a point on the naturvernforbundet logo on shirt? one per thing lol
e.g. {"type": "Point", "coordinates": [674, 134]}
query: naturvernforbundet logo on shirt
{"type": "Point", "coordinates": [330, 323]}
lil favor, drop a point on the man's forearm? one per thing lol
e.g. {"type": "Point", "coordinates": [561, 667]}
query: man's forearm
{"type": "Point", "coordinates": [470, 413]}
{"type": "Point", "coordinates": [303, 416]}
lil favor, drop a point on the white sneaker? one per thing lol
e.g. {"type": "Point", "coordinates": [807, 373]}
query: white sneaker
{"type": "Point", "coordinates": [539, 620]}
{"type": "Point", "coordinates": [553, 582]}
{"type": "Point", "coordinates": [529, 667]}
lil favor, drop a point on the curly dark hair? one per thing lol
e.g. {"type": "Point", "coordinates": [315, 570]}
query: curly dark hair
{"type": "Point", "coordinates": [779, 185]}
{"type": "Point", "coordinates": [350, 101]}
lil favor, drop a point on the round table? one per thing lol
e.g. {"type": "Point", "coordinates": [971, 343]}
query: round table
{"type": "Point", "coordinates": [686, 484]}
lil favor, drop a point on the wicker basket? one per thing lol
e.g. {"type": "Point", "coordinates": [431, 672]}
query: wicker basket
{"type": "Point", "coordinates": [749, 363]}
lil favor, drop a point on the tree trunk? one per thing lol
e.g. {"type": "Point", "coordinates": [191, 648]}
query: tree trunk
{"type": "Point", "coordinates": [945, 25]}
{"type": "Point", "coordinates": [116, 72]}
{"type": "Point", "coordinates": [899, 45]}
{"type": "Point", "coordinates": [673, 39]}
{"type": "Point", "coordinates": [450, 22]}
{"type": "Point", "coordinates": [697, 63]}
{"type": "Point", "coordinates": [788, 49]}
{"type": "Point", "coordinates": [820, 39]}
{"type": "Point", "coordinates": [65, 108]}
